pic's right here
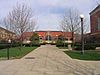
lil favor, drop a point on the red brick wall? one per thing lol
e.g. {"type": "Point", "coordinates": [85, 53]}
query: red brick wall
{"type": "Point", "coordinates": [43, 34]}
{"type": "Point", "coordinates": [93, 21]}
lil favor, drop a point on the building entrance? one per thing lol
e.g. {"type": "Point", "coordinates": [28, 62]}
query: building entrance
{"type": "Point", "coordinates": [48, 39]}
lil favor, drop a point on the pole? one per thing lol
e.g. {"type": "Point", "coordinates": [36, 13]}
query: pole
{"type": "Point", "coordinates": [48, 37]}
{"type": "Point", "coordinates": [72, 37]}
{"type": "Point", "coordinates": [64, 38]}
{"type": "Point", "coordinates": [8, 52]}
{"type": "Point", "coordinates": [9, 45]}
{"type": "Point", "coordinates": [82, 36]}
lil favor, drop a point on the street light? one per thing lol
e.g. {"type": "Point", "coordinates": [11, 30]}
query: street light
{"type": "Point", "coordinates": [33, 30]}
{"type": "Point", "coordinates": [57, 37]}
{"type": "Point", "coordinates": [82, 34]}
{"type": "Point", "coordinates": [40, 39]}
{"type": "Point", "coordinates": [9, 42]}
{"type": "Point", "coordinates": [63, 37]}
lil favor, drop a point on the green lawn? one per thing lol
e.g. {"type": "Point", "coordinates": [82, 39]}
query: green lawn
{"type": "Point", "coordinates": [89, 55]}
{"type": "Point", "coordinates": [16, 52]}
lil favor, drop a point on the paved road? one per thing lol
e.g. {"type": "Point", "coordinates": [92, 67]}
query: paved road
{"type": "Point", "coordinates": [46, 60]}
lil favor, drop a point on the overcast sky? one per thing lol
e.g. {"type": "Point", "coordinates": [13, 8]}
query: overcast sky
{"type": "Point", "coordinates": [48, 12]}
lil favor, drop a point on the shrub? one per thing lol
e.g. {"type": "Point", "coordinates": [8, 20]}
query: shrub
{"type": "Point", "coordinates": [2, 46]}
{"type": "Point", "coordinates": [26, 45]}
{"type": "Point", "coordinates": [35, 40]}
{"type": "Point", "coordinates": [12, 44]}
{"type": "Point", "coordinates": [35, 43]}
{"type": "Point", "coordinates": [86, 47]}
{"type": "Point", "coordinates": [15, 44]}
{"type": "Point", "coordinates": [96, 44]}
{"type": "Point", "coordinates": [44, 43]}
{"type": "Point", "coordinates": [53, 43]}
{"type": "Point", "coordinates": [66, 44]}
{"type": "Point", "coordinates": [59, 43]}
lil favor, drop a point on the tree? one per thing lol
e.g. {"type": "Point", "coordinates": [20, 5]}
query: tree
{"type": "Point", "coordinates": [35, 39]}
{"type": "Point", "coordinates": [71, 22]}
{"type": "Point", "coordinates": [20, 19]}
{"type": "Point", "coordinates": [60, 40]}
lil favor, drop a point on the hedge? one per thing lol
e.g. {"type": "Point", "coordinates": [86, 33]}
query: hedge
{"type": "Point", "coordinates": [61, 44]}
{"type": "Point", "coordinates": [86, 47]}
{"type": "Point", "coordinates": [6, 45]}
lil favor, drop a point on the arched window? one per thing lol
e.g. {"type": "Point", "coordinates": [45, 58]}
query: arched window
{"type": "Point", "coordinates": [61, 37]}
{"type": "Point", "coordinates": [71, 39]}
{"type": "Point", "coordinates": [48, 37]}
{"type": "Point", "coordinates": [66, 39]}
{"type": "Point", "coordinates": [41, 38]}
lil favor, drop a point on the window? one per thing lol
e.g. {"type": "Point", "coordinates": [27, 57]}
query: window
{"type": "Point", "coordinates": [98, 23]}
{"type": "Point", "coordinates": [71, 39]}
{"type": "Point", "coordinates": [41, 38]}
{"type": "Point", "coordinates": [66, 39]}
{"type": "Point", "coordinates": [48, 37]}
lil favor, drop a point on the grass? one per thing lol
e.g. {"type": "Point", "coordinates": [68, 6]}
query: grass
{"type": "Point", "coordinates": [88, 55]}
{"type": "Point", "coordinates": [16, 52]}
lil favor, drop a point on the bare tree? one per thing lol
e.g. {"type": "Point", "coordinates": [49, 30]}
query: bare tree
{"type": "Point", "coordinates": [97, 2]}
{"type": "Point", "coordinates": [20, 19]}
{"type": "Point", "coordinates": [71, 22]}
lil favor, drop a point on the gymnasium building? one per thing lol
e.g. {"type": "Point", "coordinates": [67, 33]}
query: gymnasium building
{"type": "Point", "coordinates": [47, 36]}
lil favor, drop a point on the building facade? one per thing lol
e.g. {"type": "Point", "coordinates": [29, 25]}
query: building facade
{"type": "Point", "coordinates": [47, 36]}
{"type": "Point", "coordinates": [95, 19]}
{"type": "Point", "coordinates": [5, 35]}
{"type": "Point", "coordinates": [94, 35]}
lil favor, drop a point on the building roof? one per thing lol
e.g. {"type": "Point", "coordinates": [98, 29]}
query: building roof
{"type": "Point", "coordinates": [43, 33]}
{"type": "Point", "coordinates": [95, 10]}
{"type": "Point", "coordinates": [6, 30]}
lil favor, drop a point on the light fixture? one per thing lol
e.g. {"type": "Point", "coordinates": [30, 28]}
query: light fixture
{"type": "Point", "coordinates": [81, 16]}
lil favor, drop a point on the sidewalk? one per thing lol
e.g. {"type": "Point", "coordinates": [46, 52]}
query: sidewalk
{"type": "Point", "coordinates": [45, 60]}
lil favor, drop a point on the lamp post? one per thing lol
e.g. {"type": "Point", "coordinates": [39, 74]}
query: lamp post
{"type": "Point", "coordinates": [82, 34]}
{"type": "Point", "coordinates": [40, 39]}
{"type": "Point", "coordinates": [33, 30]}
{"type": "Point", "coordinates": [9, 42]}
{"type": "Point", "coordinates": [57, 37]}
{"type": "Point", "coordinates": [63, 37]}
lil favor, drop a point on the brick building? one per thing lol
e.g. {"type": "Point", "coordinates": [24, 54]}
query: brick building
{"type": "Point", "coordinates": [94, 35]}
{"type": "Point", "coordinates": [95, 19]}
{"type": "Point", "coordinates": [47, 36]}
{"type": "Point", "coordinates": [6, 34]}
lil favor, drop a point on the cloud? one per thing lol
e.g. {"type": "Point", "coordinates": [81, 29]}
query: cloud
{"type": "Point", "coordinates": [48, 21]}
{"type": "Point", "coordinates": [49, 11]}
